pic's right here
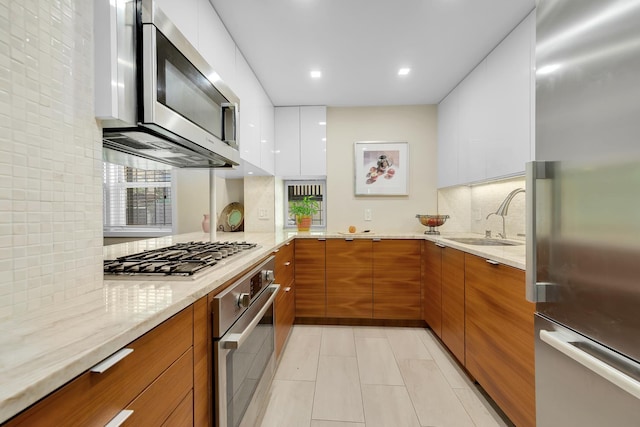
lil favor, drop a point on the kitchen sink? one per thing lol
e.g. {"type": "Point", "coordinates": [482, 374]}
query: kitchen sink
{"type": "Point", "coordinates": [480, 241]}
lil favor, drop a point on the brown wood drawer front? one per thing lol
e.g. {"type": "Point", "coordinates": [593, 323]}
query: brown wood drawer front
{"type": "Point", "coordinates": [500, 337]}
{"type": "Point", "coordinates": [310, 292]}
{"type": "Point", "coordinates": [285, 264]}
{"type": "Point", "coordinates": [453, 302]}
{"type": "Point", "coordinates": [285, 314]}
{"type": "Point", "coordinates": [349, 278]}
{"type": "Point", "coordinates": [202, 359]}
{"type": "Point", "coordinates": [396, 279]}
{"type": "Point", "coordinates": [183, 414]}
{"type": "Point", "coordinates": [432, 291]}
{"type": "Point", "coordinates": [94, 399]}
{"type": "Point", "coordinates": [156, 403]}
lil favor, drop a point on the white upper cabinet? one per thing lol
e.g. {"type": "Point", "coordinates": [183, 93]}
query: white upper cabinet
{"type": "Point", "coordinates": [183, 14]}
{"type": "Point", "coordinates": [247, 88]}
{"type": "Point", "coordinates": [301, 141]}
{"type": "Point", "coordinates": [267, 136]}
{"type": "Point", "coordinates": [215, 44]}
{"type": "Point", "coordinates": [510, 71]}
{"type": "Point", "coordinates": [485, 123]}
{"type": "Point", "coordinates": [287, 131]}
{"type": "Point", "coordinates": [448, 140]}
{"type": "Point", "coordinates": [313, 140]}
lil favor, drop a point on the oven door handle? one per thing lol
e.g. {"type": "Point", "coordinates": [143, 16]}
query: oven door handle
{"type": "Point", "coordinates": [234, 341]}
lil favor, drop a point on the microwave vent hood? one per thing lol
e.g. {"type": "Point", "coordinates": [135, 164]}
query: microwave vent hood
{"type": "Point", "coordinates": [156, 97]}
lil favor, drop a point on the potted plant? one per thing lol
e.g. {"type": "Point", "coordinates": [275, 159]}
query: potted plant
{"type": "Point", "coordinates": [303, 210]}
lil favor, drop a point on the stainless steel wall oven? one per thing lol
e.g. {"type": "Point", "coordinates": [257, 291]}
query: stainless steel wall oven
{"type": "Point", "coordinates": [244, 346]}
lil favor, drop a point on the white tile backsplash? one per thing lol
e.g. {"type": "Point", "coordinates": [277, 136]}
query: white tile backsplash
{"type": "Point", "coordinates": [50, 155]}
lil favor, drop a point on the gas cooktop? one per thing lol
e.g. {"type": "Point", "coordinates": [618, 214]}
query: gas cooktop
{"type": "Point", "coordinates": [181, 259]}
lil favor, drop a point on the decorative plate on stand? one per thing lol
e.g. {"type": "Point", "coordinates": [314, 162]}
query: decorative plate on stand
{"type": "Point", "coordinates": [232, 217]}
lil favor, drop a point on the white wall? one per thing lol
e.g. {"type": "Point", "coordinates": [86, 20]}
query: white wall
{"type": "Point", "coordinates": [416, 125]}
{"type": "Point", "coordinates": [50, 156]}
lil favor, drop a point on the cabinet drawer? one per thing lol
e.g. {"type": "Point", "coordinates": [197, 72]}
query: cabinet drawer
{"type": "Point", "coordinates": [183, 414]}
{"type": "Point", "coordinates": [285, 264]}
{"type": "Point", "coordinates": [285, 315]}
{"type": "Point", "coordinates": [95, 398]}
{"type": "Point", "coordinates": [157, 402]}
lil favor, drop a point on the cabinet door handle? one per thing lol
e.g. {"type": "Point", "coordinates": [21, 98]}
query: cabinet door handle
{"type": "Point", "coordinates": [111, 360]}
{"type": "Point", "coordinates": [287, 264]}
{"type": "Point", "coordinates": [287, 244]}
{"type": "Point", "coordinates": [440, 245]}
{"type": "Point", "coordinates": [492, 262]}
{"type": "Point", "coordinates": [287, 289]}
{"type": "Point", "coordinates": [119, 418]}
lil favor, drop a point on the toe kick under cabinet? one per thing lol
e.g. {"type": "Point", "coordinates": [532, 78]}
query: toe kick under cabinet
{"type": "Point", "coordinates": [151, 385]}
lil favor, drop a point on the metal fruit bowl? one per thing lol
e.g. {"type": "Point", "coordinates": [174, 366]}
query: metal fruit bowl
{"type": "Point", "coordinates": [432, 221]}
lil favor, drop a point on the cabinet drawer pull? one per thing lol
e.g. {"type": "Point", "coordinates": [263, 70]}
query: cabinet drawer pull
{"type": "Point", "coordinates": [119, 418]}
{"type": "Point", "coordinates": [348, 239]}
{"type": "Point", "coordinates": [275, 251]}
{"type": "Point", "coordinates": [111, 360]}
{"type": "Point", "coordinates": [321, 239]}
{"type": "Point", "coordinates": [287, 244]}
{"type": "Point", "coordinates": [287, 289]}
{"type": "Point", "coordinates": [440, 245]}
{"type": "Point", "coordinates": [287, 264]}
{"type": "Point", "coordinates": [376, 239]}
{"type": "Point", "coordinates": [492, 262]}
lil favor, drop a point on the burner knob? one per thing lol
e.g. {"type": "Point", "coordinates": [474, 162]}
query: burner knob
{"type": "Point", "coordinates": [243, 300]}
{"type": "Point", "coordinates": [267, 276]}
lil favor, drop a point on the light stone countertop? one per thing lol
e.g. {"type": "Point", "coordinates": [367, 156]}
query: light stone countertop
{"type": "Point", "coordinates": [44, 349]}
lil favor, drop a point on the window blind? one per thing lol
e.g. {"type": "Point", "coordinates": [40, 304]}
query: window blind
{"type": "Point", "coordinates": [136, 198]}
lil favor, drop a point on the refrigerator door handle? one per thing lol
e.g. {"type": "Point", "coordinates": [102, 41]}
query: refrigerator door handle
{"type": "Point", "coordinates": [537, 206]}
{"type": "Point", "coordinates": [597, 366]}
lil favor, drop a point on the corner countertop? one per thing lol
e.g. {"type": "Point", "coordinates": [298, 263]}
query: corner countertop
{"type": "Point", "coordinates": [42, 350]}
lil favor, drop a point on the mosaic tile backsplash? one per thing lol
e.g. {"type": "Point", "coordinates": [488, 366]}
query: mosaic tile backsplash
{"type": "Point", "coordinates": [50, 155]}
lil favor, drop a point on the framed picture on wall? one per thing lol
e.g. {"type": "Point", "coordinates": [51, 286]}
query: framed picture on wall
{"type": "Point", "coordinates": [381, 168]}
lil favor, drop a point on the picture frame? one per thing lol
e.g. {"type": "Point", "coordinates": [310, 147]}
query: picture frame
{"type": "Point", "coordinates": [381, 168]}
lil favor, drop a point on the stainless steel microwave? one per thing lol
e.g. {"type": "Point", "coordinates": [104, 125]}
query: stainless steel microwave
{"type": "Point", "coordinates": [156, 96]}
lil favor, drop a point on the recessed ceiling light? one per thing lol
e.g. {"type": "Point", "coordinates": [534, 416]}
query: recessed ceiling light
{"type": "Point", "coordinates": [403, 71]}
{"type": "Point", "coordinates": [316, 74]}
{"type": "Point", "coordinates": [322, 123]}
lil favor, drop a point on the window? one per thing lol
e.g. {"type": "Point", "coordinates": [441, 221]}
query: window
{"type": "Point", "coordinates": [296, 190]}
{"type": "Point", "coordinates": [136, 200]}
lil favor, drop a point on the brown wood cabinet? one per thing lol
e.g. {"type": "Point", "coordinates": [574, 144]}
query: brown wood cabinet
{"type": "Point", "coordinates": [453, 301]}
{"type": "Point", "coordinates": [500, 336]}
{"type": "Point", "coordinates": [310, 294]}
{"type": "Point", "coordinates": [202, 360]}
{"type": "Point", "coordinates": [285, 304]}
{"type": "Point", "coordinates": [432, 286]}
{"type": "Point", "coordinates": [349, 278]}
{"type": "Point", "coordinates": [396, 279]}
{"type": "Point", "coordinates": [153, 380]}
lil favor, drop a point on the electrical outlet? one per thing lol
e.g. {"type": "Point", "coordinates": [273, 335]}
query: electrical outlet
{"type": "Point", "coordinates": [367, 214]}
{"type": "Point", "coordinates": [262, 214]}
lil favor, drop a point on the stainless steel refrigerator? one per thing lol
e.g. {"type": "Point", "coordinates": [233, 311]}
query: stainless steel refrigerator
{"type": "Point", "coordinates": [583, 198]}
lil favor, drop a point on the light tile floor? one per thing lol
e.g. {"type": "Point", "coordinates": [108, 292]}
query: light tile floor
{"type": "Point", "coordinates": [341, 376]}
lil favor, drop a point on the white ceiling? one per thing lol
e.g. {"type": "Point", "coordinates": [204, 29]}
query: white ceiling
{"type": "Point", "coordinates": [359, 45]}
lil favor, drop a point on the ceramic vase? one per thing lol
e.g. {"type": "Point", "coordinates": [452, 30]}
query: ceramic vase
{"type": "Point", "coordinates": [205, 223]}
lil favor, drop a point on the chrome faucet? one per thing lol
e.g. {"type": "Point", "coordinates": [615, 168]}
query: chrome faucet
{"type": "Point", "coordinates": [503, 209]}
